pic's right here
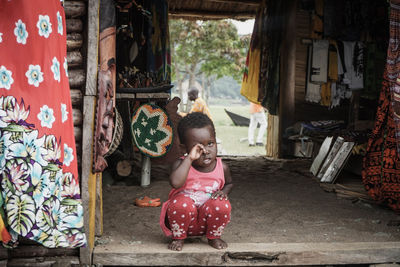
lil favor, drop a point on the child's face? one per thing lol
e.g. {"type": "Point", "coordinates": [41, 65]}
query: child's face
{"type": "Point", "coordinates": [206, 137]}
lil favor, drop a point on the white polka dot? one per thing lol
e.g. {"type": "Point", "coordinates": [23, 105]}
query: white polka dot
{"type": "Point", "coordinates": [192, 206]}
{"type": "Point", "coordinates": [174, 212]}
{"type": "Point", "coordinates": [183, 216]}
{"type": "Point", "coordinates": [184, 205]}
{"type": "Point", "coordinates": [223, 224]}
{"type": "Point", "coordinates": [201, 232]}
{"type": "Point", "coordinates": [192, 219]}
{"type": "Point", "coordinates": [209, 215]}
{"type": "Point", "coordinates": [207, 208]}
{"type": "Point", "coordinates": [226, 216]}
{"type": "Point", "coordinates": [191, 226]}
{"type": "Point", "coordinates": [174, 201]}
{"type": "Point", "coordinates": [190, 233]}
{"type": "Point", "coordinates": [217, 219]}
{"type": "Point", "coordinates": [174, 221]}
{"type": "Point", "coordinates": [216, 208]}
{"type": "Point", "coordinates": [204, 219]}
{"type": "Point", "coordinates": [202, 226]}
{"type": "Point", "coordinates": [210, 232]}
{"type": "Point", "coordinates": [226, 205]}
{"type": "Point", "coordinates": [214, 226]}
{"type": "Point", "coordinates": [182, 224]}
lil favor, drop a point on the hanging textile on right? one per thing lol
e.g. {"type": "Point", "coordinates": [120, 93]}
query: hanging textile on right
{"type": "Point", "coordinates": [381, 167]}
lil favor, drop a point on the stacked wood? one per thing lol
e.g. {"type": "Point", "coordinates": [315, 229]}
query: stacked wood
{"type": "Point", "coordinates": [75, 13]}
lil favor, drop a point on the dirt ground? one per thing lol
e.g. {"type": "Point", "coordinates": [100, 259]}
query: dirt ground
{"type": "Point", "coordinates": [272, 202]}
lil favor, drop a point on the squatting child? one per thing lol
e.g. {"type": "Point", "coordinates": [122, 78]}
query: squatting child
{"type": "Point", "coordinates": [198, 202]}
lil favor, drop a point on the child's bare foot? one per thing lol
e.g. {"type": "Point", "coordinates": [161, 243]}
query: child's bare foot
{"type": "Point", "coordinates": [176, 244]}
{"type": "Point", "coordinates": [217, 243]}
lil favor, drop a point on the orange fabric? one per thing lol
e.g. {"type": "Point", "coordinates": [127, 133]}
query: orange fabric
{"type": "Point", "coordinates": [255, 108]}
{"type": "Point", "coordinates": [5, 237]}
{"type": "Point", "coordinates": [200, 105]}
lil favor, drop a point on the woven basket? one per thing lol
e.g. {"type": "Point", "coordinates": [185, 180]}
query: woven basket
{"type": "Point", "coordinates": [117, 135]}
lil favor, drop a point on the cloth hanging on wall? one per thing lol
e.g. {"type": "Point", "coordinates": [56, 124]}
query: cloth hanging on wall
{"type": "Point", "coordinates": [313, 90]}
{"type": "Point", "coordinates": [319, 67]}
{"type": "Point", "coordinates": [317, 20]}
{"type": "Point", "coordinates": [354, 62]}
{"type": "Point", "coordinates": [250, 81]}
{"type": "Point", "coordinates": [381, 165]}
{"type": "Point", "coordinates": [274, 30]}
{"type": "Point", "coordinates": [160, 45]}
{"type": "Point", "coordinates": [38, 162]}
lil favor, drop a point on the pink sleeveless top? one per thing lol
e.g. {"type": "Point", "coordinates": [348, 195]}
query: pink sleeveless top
{"type": "Point", "coordinates": [199, 186]}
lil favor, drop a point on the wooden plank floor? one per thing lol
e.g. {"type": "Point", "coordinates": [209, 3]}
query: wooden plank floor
{"type": "Point", "coordinates": [256, 254]}
{"type": "Point", "coordinates": [278, 208]}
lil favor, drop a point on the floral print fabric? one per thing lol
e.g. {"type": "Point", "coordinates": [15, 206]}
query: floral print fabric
{"type": "Point", "coordinates": [39, 176]}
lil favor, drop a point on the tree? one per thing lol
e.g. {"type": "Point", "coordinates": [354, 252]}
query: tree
{"type": "Point", "coordinates": [206, 50]}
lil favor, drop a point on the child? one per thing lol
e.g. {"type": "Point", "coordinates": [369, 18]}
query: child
{"type": "Point", "coordinates": [198, 203]}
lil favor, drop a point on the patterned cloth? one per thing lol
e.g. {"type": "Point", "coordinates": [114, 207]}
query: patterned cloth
{"type": "Point", "coordinates": [196, 186]}
{"type": "Point", "coordinates": [210, 219]}
{"type": "Point", "coordinates": [381, 167]}
{"type": "Point", "coordinates": [39, 181]}
{"type": "Point", "coordinates": [152, 130]}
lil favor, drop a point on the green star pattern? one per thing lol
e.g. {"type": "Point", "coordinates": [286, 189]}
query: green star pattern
{"type": "Point", "coordinates": [146, 133]}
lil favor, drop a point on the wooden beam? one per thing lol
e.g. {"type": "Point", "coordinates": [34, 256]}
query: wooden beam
{"type": "Point", "coordinates": [88, 179]}
{"type": "Point", "coordinates": [239, 2]}
{"type": "Point", "coordinates": [272, 146]}
{"type": "Point", "coordinates": [193, 14]}
{"type": "Point", "coordinates": [289, 254]}
{"type": "Point", "coordinates": [93, 47]}
{"type": "Point", "coordinates": [288, 69]}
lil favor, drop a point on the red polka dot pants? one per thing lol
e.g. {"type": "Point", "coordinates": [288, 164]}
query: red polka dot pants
{"type": "Point", "coordinates": [185, 219]}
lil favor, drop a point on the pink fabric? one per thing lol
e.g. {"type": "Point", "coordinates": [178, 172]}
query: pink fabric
{"type": "Point", "coordinates": [196, 182]}
{"type": "Point", "coordinates": [186, 219]}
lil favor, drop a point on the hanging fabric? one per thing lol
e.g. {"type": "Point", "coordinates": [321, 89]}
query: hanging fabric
{"type": "Point", "coordinates": [381, 165]}
{"type": "Point", "coordinates": [38, 161]}
{"type": "Point", "coordinates": [250, 80]}
{"type": "Point", "coordinates": [317, 20]}
{"type": "Point", "coordinates": [319, 67]}
{"type": "Point", "coordinates": [354, 62]}
{"type": "Point", "coordinates": [313, 90]}
{"type": "Point", "coordinates": [274, 28]}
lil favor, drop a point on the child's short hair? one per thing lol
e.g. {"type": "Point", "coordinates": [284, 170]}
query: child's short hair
{"type": "Point", "coordinates": [193, 120]}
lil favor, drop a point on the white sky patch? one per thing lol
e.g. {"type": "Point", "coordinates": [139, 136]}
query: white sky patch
{"type": "Point", "coordinates": [244, 27]}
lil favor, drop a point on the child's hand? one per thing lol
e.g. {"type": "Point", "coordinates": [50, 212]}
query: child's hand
{"type": "Point", "coordinates": [196, 152]}
{"type": "Point", "coordinates": [219, 194]}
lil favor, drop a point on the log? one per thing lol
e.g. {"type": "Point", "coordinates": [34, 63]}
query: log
{"type": "Point", "coordinates": [76, 78]}
{"type": "Point", "coordinates": [74, 9]}
{"type": "Point", "coordinates": [44, 262]}
{"type": "Point", "coordinates": [74, 41]}
{"type": "Point", "coordinates": [124, 168]}
{"type": "Point", "coordinates": [74, 59]}
{"type": "Point", "coordinates": [74, 25]}
{"type": "Point", "coordinates": [77, 116]}
{"type": "Point", "coordinates": [76, 97]}
{"type": "Point", "coordinates": [41, 251]}
{"type": "Point", "coordinates": [78, 133]}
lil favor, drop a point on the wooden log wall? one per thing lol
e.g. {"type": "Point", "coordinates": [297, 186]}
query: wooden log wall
{"type": "Point", "coordinates": [76, 12]}
{"type": "Point", "coordinates": [30, 253]}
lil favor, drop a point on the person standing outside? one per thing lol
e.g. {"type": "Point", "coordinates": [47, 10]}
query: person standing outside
{"type": "Point", "coordinates": [257, 115]}
{"type": "Point", "coordinates": [199, 104]}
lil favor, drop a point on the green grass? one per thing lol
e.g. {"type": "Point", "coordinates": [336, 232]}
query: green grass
{"type": "Point", "coordinates": [229, 134]}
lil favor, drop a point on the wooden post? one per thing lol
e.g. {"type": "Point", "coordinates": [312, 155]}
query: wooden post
{"type": "Point", "coordinates": [272, 146]}
{"type": "Point", "coordinates": [288, 70]}
{"type": "Point", "coordinates": [88, 178]}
